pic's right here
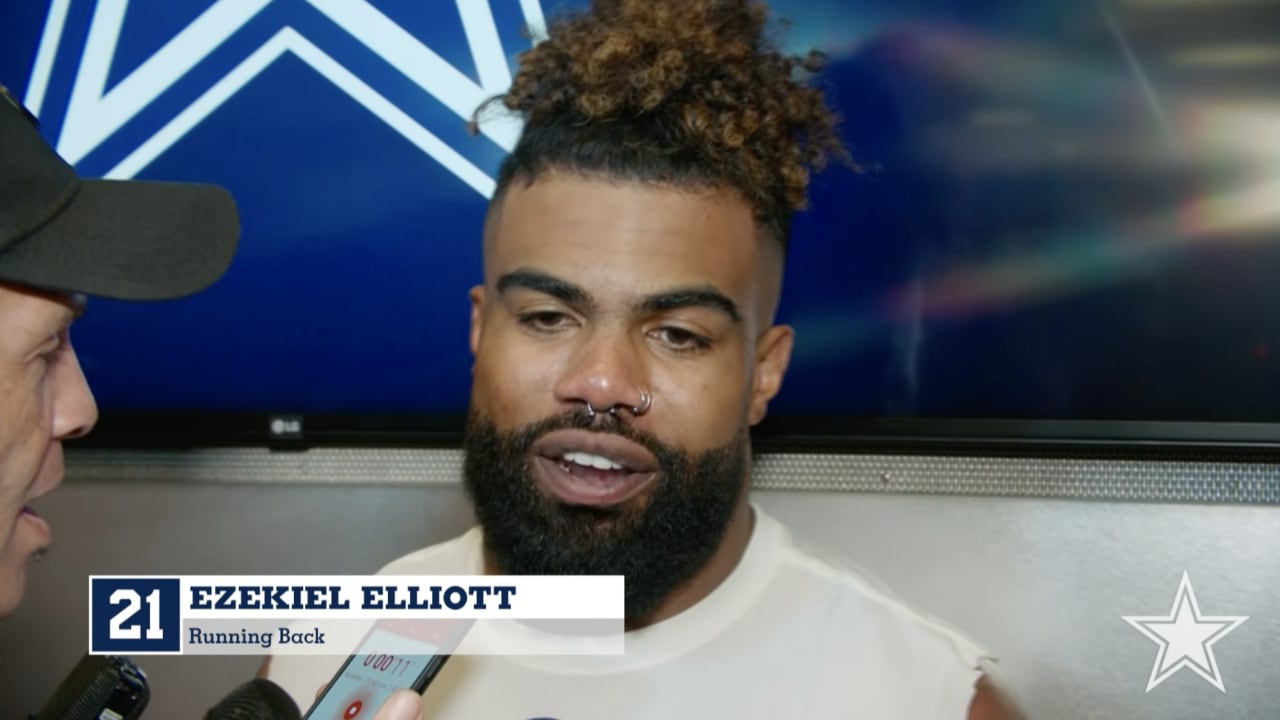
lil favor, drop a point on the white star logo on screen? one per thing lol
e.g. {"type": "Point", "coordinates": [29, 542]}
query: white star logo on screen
{"type": "Point", "coordinates": [94, 112]}
{"type": "Point", "coordinates": [1185, 637]}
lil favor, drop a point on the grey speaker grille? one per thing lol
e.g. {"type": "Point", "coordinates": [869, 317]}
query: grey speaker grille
{"type": "Point", "coordinates": [1112, 480]}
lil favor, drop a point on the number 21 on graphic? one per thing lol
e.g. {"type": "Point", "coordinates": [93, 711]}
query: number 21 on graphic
{"type": "Point", "coordinates": [129, 597]}
{"type": "Point", "coordinates": [134, 614]}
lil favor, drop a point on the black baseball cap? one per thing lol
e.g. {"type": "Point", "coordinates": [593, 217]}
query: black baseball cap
{"type": "Point", "coordinates": [120, 239]}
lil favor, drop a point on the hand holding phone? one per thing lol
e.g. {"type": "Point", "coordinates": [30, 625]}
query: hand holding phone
{"type": "Point", "coordinates": [403, 705]}
{"type": "Point", "coordinates": [395, 655]}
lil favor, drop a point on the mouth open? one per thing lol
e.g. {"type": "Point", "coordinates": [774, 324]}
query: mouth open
{"type": "Point", "coordinates": [592, 469]}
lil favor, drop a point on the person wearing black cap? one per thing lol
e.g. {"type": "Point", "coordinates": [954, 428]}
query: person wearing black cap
{"type": "Point", "coordinates": [63, 238]}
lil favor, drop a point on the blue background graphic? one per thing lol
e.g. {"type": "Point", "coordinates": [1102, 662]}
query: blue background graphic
{"type": "Point", "coordinates": [1031, 238]}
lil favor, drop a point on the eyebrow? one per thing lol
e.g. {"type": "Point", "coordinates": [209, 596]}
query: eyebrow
{"type": "Point", "coordinates": [674, 299]}
{"type": "Point", "coordinates": [75, 305]}
{"type": "Point", "coordinates": [701, 296]}
{"type": "Point", "coordinates": [547, 285]}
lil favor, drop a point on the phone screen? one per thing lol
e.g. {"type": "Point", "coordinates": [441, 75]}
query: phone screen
{"type": "Point", "coordinates": [395, 654]}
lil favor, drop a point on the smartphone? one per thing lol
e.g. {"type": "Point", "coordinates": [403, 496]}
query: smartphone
{"type": "Point", "coordinates": [394, 655]}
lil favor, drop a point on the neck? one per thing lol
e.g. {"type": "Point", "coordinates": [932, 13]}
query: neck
{"type": "Point", "coordinates": [722, 563]}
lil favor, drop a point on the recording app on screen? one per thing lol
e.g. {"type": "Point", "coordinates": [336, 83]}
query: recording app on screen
{"type": "Point", "coordinates": [394, 655]}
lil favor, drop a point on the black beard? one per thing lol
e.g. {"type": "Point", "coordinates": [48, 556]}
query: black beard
{"type": "Point", "coordinates": [658, 540]}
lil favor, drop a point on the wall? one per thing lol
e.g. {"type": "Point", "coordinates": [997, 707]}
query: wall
{"type": "Point", "coordinates": [1043, 581]}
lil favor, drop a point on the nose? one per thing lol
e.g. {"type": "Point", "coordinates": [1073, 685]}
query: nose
{"type": "Point", "coordinates": [74, 410]}
{"type": "Point", "coordinates": [606, 370]}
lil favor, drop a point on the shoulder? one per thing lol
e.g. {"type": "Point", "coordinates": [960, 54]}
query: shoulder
{"type": "Point", "coordinates": [857, 595]}
{"type": "Point", "coordinates": [865, 621]}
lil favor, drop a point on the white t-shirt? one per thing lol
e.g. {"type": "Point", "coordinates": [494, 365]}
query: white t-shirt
{"type": "Point", "coordinates": [786, 635]}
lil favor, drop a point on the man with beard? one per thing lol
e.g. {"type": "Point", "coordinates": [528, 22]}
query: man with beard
{"type": "Point", "coordinates": [624, 344]}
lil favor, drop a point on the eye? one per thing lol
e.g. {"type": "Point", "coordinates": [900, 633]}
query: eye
{"type": "Point", "coordinates": [54, 345]}
{"type": "Point", "coordinates": [680, 340]}
{"type": "Point", "coordinates": [47, 354]}
{"type": "Point", "coordinates": [545, 321]}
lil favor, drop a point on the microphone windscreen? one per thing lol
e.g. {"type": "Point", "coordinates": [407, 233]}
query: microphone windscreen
{"type": "Point", "coordinates": [94, 684]}
{"type": "Point", "coordinates": [257, 699]}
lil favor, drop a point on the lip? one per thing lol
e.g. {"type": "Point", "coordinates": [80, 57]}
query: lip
{"type": "Point", "coordinates": [572, 490]}
{"type": "Point", "coordinates": [639, 464]}
{"type": "Point", "coordinates": [49, 478]}
{"type": "Point", "coordinates": [31, 519]}
{"type": "Point", "coordinates": [632, 456]}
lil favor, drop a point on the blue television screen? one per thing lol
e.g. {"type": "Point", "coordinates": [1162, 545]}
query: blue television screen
{"type": "Point", "coordinates": [1068, 212]}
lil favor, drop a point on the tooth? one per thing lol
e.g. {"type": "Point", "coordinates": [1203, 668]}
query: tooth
{"type": "Point", "coordinates": [589, 460]}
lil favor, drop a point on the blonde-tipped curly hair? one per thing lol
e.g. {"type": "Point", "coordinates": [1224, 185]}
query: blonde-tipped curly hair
{"type": "Point", "coordinates": [679, 92]}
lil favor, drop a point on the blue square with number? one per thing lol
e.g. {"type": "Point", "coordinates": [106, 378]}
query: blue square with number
{"type": "Point", "coordinates": [135, 615]}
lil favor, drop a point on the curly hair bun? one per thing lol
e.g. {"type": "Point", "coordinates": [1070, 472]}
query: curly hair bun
{"type": "Point", "coordinates": [701, 76]}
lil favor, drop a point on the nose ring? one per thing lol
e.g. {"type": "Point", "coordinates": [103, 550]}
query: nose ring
{"type": "Point", "coordinates": [646, 402]}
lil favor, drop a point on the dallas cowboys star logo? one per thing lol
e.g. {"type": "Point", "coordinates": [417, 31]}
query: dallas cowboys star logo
{"type": "Point", "coordinates": [1185, 637]}
{"type": "Point", "coordinates": [94, 112]}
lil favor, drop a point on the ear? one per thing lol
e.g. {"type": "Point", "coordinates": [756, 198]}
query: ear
{"type": "Point", "coordinates": [477, 316]}
{"type": "Point", "coordinates": [773, 354]}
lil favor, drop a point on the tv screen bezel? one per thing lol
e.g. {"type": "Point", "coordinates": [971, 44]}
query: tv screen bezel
{"type": "Point", "coordinates": [153, 430]}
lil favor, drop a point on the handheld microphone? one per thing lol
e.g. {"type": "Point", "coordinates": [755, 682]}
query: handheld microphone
{"type": "Point", "coordinates": [99, 687]}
